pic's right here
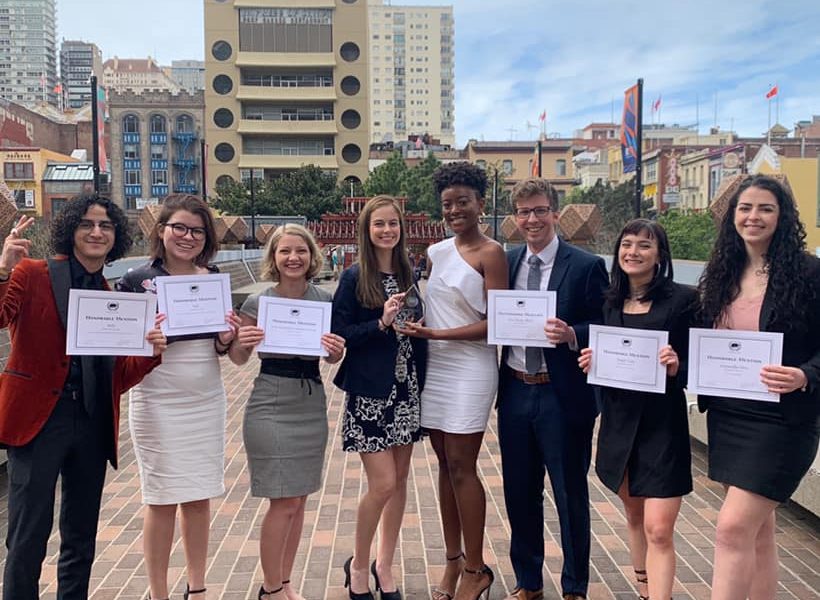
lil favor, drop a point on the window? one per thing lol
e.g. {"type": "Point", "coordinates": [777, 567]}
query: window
{"type": "Point", "coordinates": [561, 167]}
{"type": "Point", "coordinates": [18, 170]}
{"type": "Point", "coordinates": [130, 151]}
{"type": "Point", "coordinates": [157, 124]}
{"type": "Point", "coordinates": [285, 30]}
{"type": "Point", "coordinates": [159, 177]}
{"type": "Point", "coordinates": [185, 124]}
{"type": "Point", "coordinates": [130, 124]}
{"type": "Point", "coordinates": [132, 177]}
{"type": "Point", "coordinates": [159, 152]}
{"type": "Point", "coordinates": [507, 167]}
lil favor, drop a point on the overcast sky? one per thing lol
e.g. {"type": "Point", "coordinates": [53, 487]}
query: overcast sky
{"type": "Point", "coordinates": [571, 59]}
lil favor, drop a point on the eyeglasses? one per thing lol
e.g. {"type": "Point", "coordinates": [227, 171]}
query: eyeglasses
{"type": "Point", "coordinates": [539, 211]}
{"type": "Point", "coordinates": [89, 225]}
{"type": "Point", "coordinates": [180, 230]}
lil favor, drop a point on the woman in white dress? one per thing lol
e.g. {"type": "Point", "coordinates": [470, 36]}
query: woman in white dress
{"type": "Point", "coordinates": [177, 413]}
{"type": "Point", "coordinates": [462, 372]}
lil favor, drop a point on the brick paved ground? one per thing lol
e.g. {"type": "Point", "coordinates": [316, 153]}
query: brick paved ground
{"type": "Point", "coordinates": [328, 535]}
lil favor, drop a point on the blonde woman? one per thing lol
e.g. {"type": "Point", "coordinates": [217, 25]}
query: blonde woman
{"type": "Point", "coordinates": [285, 426]}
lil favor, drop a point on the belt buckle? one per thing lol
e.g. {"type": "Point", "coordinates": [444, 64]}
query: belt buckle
{"type": "Point", "coordinates": [531, 378]}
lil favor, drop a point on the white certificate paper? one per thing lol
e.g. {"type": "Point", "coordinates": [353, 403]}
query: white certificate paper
{"type": "Point", "coordinates": [293, 326]}
{"type": "Point", "coordinates": [194, 303]}
{"type": "Point", "coordinates": [104, 323]}
{"type": "Point", "coordinates": [627, 358]}
{"type": "Point", "coordinates": [517, 317]}
{"type": "Point", "coordinates": [727, 362]}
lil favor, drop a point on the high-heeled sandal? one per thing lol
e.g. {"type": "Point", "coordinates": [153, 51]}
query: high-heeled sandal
{"type": "Point", "coordinates": [440, 594]}
{"type": "Point", "coordinates": [368, 595]}
{"type": "Point", "coordinates": [264, 592]}
{"type": "Point", "coordinates": [485, 570]}
{"type": "Point", "coordinates": [640, 577]}
{"type": "Point", "coordinates": [395, 595]}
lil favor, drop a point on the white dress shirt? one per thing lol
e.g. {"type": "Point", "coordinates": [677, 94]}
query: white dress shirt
{"type": "Point", "coordinates": [516, 358]}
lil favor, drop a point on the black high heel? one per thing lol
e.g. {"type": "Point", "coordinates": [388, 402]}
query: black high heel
{"type": "Point", "coordinates": [640, 577]}
{"type": "Point", "coordinates": [485, 570]}
{"type": "Point", "coordinates": [189, 591]}
{"type": "Point", "coordinates": [438, 593]}
{"type": "Point", "coordinates": [395, 595]}
{"type": "Point", "coordinates": [368, 595]}
{"type": "Point", "coordinates": [264, 592]}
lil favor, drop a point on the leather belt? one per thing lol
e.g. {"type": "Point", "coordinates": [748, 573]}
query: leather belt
{"type": "Point", "coordinates": [530, 379]}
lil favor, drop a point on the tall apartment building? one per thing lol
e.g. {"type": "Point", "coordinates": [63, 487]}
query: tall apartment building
{"type": "Point", "coordinates": [286, 86]}
{"type": "Point", "coordinates": [189, 74]}
{"type": "Point", "coordinates": [78, 62]}
{"type": "Point", "coordinates": [412, 72]}
{"type": "Point", "coordinates": [28, 51]}
{"type": "Point", "coordinates": [137, 75]}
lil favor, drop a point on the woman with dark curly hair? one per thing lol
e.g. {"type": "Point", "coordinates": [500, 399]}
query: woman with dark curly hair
{"type": "Point", "coordinates": [760, 278]}
{"type": "Point", "coordinates": [643, 441]}
{"type": "Point", "coordinates": [177, 413]}
{"type": "Point", "coordinates": [462, 372]}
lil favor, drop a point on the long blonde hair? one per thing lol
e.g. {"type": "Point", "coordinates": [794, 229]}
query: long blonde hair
{"type": "Point", "coordinates": [269, 270]}
{"type": "Point", "coordinates": [369, 290]}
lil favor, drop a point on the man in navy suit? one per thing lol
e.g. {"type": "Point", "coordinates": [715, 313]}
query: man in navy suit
{"type": "Point", "coordinates": [546, 410]}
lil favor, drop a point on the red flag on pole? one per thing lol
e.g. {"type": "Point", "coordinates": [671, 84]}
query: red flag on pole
{"type": "Point", "coordinates": [772, 92]}
{"type": "Point", "coordinates": [656, 105]}
{"type": "Point", "coordinates": [543, 116]}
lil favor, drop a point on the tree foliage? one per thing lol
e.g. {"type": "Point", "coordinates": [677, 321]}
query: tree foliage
{"type": "Point", "coordinates": [617, 206]}
{"type": "Point", "coordinates": [419, 189]}
{"type": "Point", "coordinates": [307, 191]}
{"type": "Point", "coordinates": [388, 178]}
{"type": "Point", "coordinates": [691, 234]}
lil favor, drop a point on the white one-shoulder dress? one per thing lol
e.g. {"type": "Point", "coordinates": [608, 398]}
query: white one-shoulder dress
{"type": "Point", "coordinates": [462, 376]}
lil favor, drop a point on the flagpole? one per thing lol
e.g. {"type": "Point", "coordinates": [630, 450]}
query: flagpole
{"type": "Point", "coordinates": [639, 157]}
{"type": "Point", "coordinates": [539, 157]}
{"type": "Point", "coordinates": [95, 135]}
{"type": "Point", "coordinates": [769, 128]}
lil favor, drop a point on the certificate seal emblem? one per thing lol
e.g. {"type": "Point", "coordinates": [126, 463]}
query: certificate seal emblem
{"type": "Point", "coordinates": [295, 312]}
{"type": "Point", "coordinates": [113, 306]}
{"type": "Point", "coordinates": [194, 288]}
{"type": "Point", "coordinates": [626, 342]}
{"type": "Point", "coordinates": [735, 346]}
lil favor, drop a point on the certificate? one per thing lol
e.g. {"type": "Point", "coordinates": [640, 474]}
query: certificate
{"type": "Point", "coordinates": [727, 362]}
{"type": "Point", "coordinates": [293, 326]}
{"type": "Point", "coordinates": [194, 303]}
{"type": "Point", "coordinates": [627, 358]}
{"type": "Point", "coordinates": [104, 323]}
{"type": "Point", "coordinates": [517, 317]}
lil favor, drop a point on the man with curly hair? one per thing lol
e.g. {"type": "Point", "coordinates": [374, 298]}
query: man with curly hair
{"type": "Point", "coordinates": [59, 415]}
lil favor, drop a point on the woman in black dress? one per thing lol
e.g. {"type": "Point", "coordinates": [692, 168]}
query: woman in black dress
{"type": "Point", "coordinates": [760, 278]}
{"type": "Point", "coordinates": [643, 442]}
{"type": "Point", "coordinates": [383, 375]}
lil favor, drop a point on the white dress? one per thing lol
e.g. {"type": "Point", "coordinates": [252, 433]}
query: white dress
{"type": "Point", "coordinates": [462, 376]}
{"type": "Point", "coordinates": [177, 421]}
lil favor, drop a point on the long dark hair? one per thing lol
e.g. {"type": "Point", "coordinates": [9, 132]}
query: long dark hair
{"type": "Point", "coordinates": [369, 290]}
{"type": "Point", "coordinates": [619, 281]}
{"type": "Point", "coordinates": [719, 284]}
{"type": "Point", "coordinates": [65, 223]}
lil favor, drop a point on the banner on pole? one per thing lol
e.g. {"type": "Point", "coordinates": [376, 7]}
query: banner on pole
{"type": "Point", "coordinates": [629, 130]}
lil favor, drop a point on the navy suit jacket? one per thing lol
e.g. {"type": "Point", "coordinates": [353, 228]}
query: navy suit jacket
{"type": "Point", "coordinates": [580, 279]}
{"type": "Point", "coordinates": [369, 365]}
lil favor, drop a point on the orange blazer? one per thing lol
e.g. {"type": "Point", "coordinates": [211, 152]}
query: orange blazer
{"type": "Point", "coordinates": [33, 305]}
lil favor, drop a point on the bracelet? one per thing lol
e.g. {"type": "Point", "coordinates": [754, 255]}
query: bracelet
{"type": "Point", "coordinates": [4, 275]}
{"type": "Point", "coordinates": [217, 343]}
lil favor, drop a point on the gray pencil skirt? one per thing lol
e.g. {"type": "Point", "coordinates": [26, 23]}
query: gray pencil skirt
{"type": "Point", "coordinates": [285, 434]}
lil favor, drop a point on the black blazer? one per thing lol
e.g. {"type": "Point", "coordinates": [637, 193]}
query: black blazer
{"type": "Point", "coordinates": [580, 279]}
{"type": "Point", "coordinates": [675, 309]}
{"type": "Point", "coordinates": [370, 360]}
{"type": "Point", "coordinates": [801, 348]}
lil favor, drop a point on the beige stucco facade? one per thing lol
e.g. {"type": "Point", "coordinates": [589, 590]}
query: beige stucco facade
{"type": "Point", "coordinates": [279, 99]}
{"type": "Point", "coordinates": [804, 179]}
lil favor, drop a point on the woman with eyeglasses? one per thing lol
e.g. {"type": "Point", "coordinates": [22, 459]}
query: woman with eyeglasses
{"type": "Point", "coordinates": [177, 413]}
{"type": "Point", "coordinates": [383, 375]}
